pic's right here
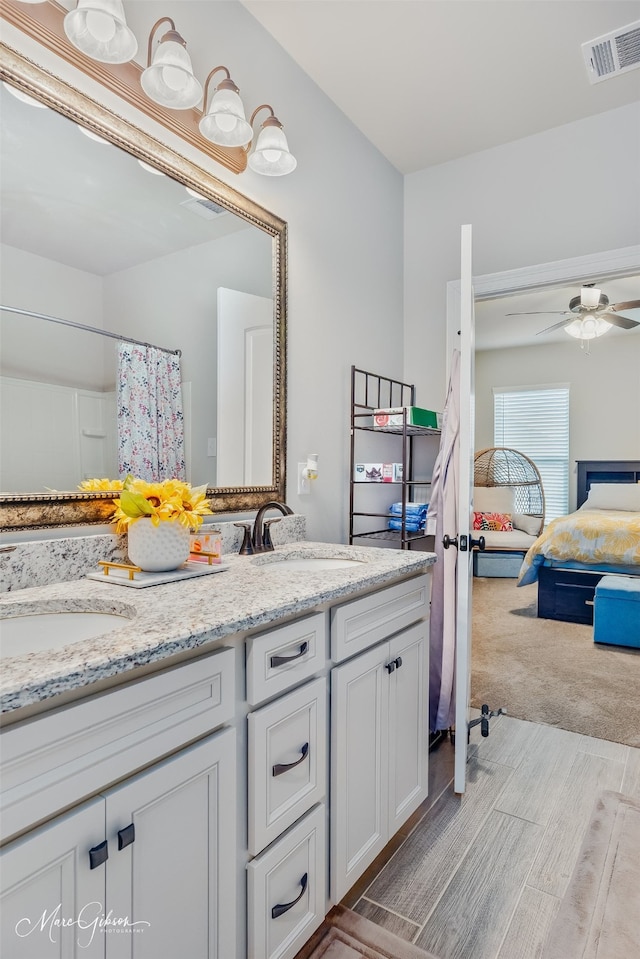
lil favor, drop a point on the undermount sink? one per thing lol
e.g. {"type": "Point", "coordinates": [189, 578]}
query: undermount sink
{"type": "Point", "coordinates": [33, 632]}
{"type": "Point", "coordinates": [309, 562]}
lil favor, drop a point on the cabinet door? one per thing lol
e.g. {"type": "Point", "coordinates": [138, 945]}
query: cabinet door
{"type": "Point", "coordinates": [47, 880]}
{"type": "Point", "coordinates": [408, 724]}
{"type": "Point", "coordinates": [359, 788]}
{"type": "Point", "coordinates": [174, 876]}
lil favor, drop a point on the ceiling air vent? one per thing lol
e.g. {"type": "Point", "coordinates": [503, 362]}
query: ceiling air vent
{"type": "Point", "coordinates": [614, 53]}
{"type": "Point", "coordinates": [204, 208]}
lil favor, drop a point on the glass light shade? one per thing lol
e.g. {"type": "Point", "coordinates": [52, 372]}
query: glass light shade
{"type": "Point", "coordinates": [99, 29]}
{"type": "Point", "coordinates": [225, 122]}
{"type": "Point", "coordinates": [23, 97]}
{"type": "Point", "coordinates": [587, 328]}
{"type": "Point", "coordinates": [271, 156]}
{"type": "Point", "coordinates": [169, 80]}
{"type": "Point", "coordinates": [589, 297]}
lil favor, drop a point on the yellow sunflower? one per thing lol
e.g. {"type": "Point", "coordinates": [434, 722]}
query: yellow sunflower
{"type": "Point", "coordinates": [168, 501]}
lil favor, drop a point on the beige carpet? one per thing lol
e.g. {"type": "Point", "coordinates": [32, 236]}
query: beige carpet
{"type": "Point", "coordinates": [598, 916]}
{"type": "Point", "coordinates": [346, 935]}
{"type": "Point", "coordinates": [550, 672]}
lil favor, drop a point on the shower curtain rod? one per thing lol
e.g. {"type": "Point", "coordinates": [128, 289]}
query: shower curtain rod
{"type": "Point", "coordinates": [89, 329]}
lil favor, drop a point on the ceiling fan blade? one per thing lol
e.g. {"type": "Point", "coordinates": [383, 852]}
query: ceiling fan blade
{"type": "Point", "coordinates": [624, 322]}
{"type": "Point", "coordinates": [540, 313]}
{"type": "Point", "coordinates": [556, 326]}
{"type": "Point", "coordinates": [629, 305]}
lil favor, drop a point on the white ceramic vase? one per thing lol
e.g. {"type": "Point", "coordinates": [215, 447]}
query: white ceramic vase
{"type": "Point", "coordinates": [157, 549]}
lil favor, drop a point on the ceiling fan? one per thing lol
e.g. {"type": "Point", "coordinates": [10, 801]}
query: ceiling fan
{"type": "Point", "coordinates": [590, 314]}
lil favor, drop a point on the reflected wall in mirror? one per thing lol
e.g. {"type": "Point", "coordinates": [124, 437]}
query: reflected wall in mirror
{"type": "Point", "coordinates": [91, 237]}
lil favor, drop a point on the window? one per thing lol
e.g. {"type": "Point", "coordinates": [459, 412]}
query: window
{"type": "Point", "coordinates": [535, 421]}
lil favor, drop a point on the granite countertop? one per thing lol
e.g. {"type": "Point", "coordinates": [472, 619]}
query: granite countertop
{"type": "Point", "coordinates": [177, 617]}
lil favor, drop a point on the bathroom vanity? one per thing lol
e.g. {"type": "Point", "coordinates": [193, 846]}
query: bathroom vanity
{"type": "Point", "coordinates": [210, 777]}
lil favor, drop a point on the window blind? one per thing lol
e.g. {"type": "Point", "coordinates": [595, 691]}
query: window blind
{"type": "Point", "coordinates": [535, 421]}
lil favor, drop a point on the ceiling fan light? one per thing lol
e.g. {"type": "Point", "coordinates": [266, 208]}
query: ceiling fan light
{"type": "Point", "coordinates": [587, 327]}
{"type": "Point", "coordinates": [590, 297]}
{"type": "Point", "coordinates": [99, 29]}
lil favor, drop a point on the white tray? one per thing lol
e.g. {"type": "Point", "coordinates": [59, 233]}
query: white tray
{"type": "Point", "coordinates": [120, 577]}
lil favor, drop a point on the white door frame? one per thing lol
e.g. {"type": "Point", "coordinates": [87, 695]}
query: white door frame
{"type": "Point", "coordinates": [609, 263]}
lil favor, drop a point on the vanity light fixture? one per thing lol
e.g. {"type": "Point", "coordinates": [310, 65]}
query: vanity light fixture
{"type": "Point", "coordinates": [24, 97]}
{"type": "Point", "coordinates": [271, 156]}
{"type": "Point", "coordinates": [150, 169]}
{"type": "Point", "coordinates": [92, 135]}
{"type": "Point", "coordinates": [168, 78]}
{"type": "Point", "coordinates": [99, 29]}
{"type": "Point", "coordinates": [224, 122]}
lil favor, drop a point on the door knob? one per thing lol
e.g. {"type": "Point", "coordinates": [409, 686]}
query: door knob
{"type": "Point", "coordinates": [479, 542]}
{"type": "Point", "coordinates": [448, 541]}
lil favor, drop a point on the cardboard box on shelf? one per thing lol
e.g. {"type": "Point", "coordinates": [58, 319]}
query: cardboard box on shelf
{"type": "Point", "coordinates": [416, 416]}
{"type": "Point", "coordinates": [377, 472]}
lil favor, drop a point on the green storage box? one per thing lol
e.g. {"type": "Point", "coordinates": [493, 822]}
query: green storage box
{"type": "Point", "coordinates": [416, 416]}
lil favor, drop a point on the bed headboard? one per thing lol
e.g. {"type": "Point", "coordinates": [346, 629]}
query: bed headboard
{"type": "Point", "coordinates": [605, 471]}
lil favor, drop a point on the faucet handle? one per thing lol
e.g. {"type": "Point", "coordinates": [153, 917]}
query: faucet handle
{"type": "Point", "coordinates": [247, 546]}
{"type": "Point", "coordinates": [266, 533]}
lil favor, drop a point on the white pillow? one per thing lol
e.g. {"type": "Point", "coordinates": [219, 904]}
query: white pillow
{"type": "Point", "coordinates": [624, 496]}
{"type": "Point", "coordinates": [493, 499]}
{"type": "Point", "coordinates": [528, 524]}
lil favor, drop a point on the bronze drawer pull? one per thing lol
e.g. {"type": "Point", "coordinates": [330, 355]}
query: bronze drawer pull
{"type": "Point", "coordinates": [283, 660]}
{"type": "Point", "coordinates": [281, 768]}
{"type": "Point", "coordinates": [281, 908]}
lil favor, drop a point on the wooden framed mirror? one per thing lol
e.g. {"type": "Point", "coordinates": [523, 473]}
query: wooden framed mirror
{"type": "Point", "coordinates": [152, 249]}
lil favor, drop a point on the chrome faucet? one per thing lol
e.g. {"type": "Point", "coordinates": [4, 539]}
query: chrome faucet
{"type": "Point", "coordinates": [261, 536]}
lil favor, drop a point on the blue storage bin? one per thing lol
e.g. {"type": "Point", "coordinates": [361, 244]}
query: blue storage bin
{"type": "Point", "coordinates": [616, 617]}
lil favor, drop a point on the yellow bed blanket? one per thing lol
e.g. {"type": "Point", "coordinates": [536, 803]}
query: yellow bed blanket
{"type": "Point", "coordinates": [599, 537]}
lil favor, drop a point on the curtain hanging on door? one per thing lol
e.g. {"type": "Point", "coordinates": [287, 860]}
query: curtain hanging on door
{"type": "Point", "coordinates": [442, 518]}
{"type": "Point", "coordinates": [150, 417]}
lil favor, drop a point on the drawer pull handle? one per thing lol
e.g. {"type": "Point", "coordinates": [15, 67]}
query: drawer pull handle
{"type": "Point", "coordinates": [126, 836]}
{"type": "Point", "coordinates": [390, 667]}
{"type": "Point", "coordinates": [283, 907]}
{"type": "Point", "coordinates": [98, 855]}
{"type": "Point", "coordinates": [281, 768]}
{"type": "Point", "coordinates": [283, 660]}
{"type": "Point", "coordinates": [399, 662]}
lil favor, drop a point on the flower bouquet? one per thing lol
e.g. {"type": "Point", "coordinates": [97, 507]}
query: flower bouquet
{"type": "Point", "coordinates": [157, 518]}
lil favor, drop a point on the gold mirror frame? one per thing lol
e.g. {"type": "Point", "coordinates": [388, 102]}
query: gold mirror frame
{"type": "Point", "coordinates": [40, 510]}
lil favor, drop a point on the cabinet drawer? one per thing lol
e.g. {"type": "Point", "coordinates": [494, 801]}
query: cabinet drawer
{"type": "Point", "coordinates": [287, 761]}
{"type": "Point", "coordinates": [54, 761]}
{"type": "Point", "coordinates": [287, 890]}
{"type": "Point", "coordinates": [361, 623]}
{"type": "Point", "coordinates": [283, 657]}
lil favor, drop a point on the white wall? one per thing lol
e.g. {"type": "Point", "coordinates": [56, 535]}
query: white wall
{"type": "Point", "coordinates": [343, 205]}
{"type": "Point", "coordinates": [567, 192]}
{"type": "Point", "coordinates": [38, 350]}
{"type": "Point", "coordinates": [604, 393]}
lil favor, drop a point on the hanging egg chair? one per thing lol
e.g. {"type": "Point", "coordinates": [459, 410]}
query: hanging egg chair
{"type": "Point", "coordinates": [499, 466]}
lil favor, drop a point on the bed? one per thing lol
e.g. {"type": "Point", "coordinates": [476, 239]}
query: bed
{"type": "Point", "coordinates": [602, 537]}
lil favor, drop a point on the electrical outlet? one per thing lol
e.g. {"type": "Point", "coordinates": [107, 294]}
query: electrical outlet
{"type": "Point", "coordinates": [304, 483]}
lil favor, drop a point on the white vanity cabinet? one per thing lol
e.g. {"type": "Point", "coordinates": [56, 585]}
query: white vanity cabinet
{"type": "Point", "coordinates": [379, 725]}
{"type": "Point", "coordinates": [152, 850]}
{"type": "Point", "coordinates": [287, 787]}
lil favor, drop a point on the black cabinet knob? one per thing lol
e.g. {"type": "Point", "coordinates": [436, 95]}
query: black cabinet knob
{"type": "Point", "coordinates": [98, 855]}
{"type": "Point", "coordinates": [126, 836]}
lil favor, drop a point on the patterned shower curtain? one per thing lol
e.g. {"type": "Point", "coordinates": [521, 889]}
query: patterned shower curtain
{"type": "Point", "coordinates": [150, 418]}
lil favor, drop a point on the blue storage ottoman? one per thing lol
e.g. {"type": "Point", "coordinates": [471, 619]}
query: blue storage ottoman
{"type": "Point", "coordinates": [616, 618]}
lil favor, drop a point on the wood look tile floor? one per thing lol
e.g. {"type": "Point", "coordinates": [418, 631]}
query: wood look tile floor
{"type": "Point", "coordinates": [481, 876]}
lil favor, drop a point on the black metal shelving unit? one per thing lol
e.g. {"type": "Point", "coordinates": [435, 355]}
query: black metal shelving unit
{"type": "Point", "coordinates": [371, 391]}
